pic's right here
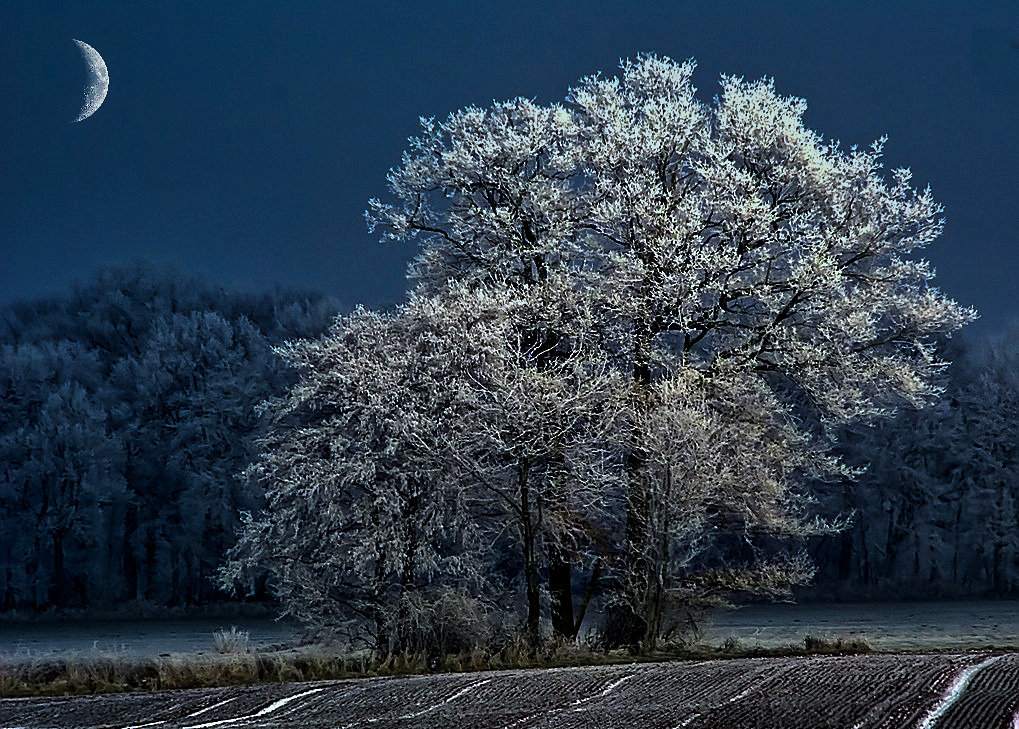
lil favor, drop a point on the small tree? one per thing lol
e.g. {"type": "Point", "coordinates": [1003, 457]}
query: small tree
{"type": "Point", "coordinates": [415, 447]}
{"type": "Point", "coordinates": [936, 507]}
{"type": "Point", "coordinates": [359, 515]}
{"type": "Point", "coordinates": [61, 479]}
{"type": "Point", "coordinates": [126, 409]}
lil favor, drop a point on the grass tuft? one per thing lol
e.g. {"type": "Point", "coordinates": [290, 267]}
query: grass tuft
{"type": "Point", "coordinates": [836, 644]}
{"type": "Point", "coordinates": [231, 641]}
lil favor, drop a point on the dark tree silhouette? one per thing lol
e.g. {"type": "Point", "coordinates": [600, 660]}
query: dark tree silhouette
{"type": "Point", "coordinates": [128, 409]}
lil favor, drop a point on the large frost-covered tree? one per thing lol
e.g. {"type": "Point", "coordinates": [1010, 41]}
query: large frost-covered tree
{"type": "Point", "coordinates": [735, 263]}
{"type": "Point", "coordinates": [637, 320]}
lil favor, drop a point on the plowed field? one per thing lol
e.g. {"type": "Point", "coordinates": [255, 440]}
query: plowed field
{"type": "Point", "coordinates": [895, 691]}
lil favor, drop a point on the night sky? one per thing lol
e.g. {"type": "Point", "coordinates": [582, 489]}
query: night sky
{"type": "Point", "coordinates": [242, 141]}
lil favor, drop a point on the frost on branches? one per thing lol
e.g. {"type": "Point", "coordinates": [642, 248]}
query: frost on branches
{"type": "Point", "coordinates": [423, 449]}
{"type": "Point", "coordinates": [694, 297]}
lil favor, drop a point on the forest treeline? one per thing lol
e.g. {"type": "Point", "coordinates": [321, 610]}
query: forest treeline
{"type": "Point", "coordinates": [127, 409]}
{"type": "Point", "coordinates": [936, 503]}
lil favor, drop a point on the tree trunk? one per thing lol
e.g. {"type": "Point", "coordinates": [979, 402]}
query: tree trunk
{"type": "Point", "coordinates": [634, 624]}
{"type": "Point", "coordinates": [592, 581]}
{"type": "Point", "coordinates": [531, 624]}
{"type": "Point", "coordinates": [560, 588]}
{"type": "Point", "coordinates": [129, 554]}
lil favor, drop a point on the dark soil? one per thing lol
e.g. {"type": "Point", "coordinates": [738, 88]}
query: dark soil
{"type": "Point", "coordinates": [893, 691]}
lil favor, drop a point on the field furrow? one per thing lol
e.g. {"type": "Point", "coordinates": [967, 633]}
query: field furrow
{"type": "Point", "coordinates": [990, 699]}
{"type": "Point", "coordinates": [868, 691]}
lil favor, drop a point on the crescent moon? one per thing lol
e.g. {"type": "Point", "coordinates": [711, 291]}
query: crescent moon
{"type": "Point", "coordinates": [99, 81]}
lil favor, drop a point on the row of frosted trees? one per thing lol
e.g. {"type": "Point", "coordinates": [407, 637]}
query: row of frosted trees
{"type": "Point", "coordinates": [127, 410]}
{"type": "Point", "coordinates": [128, 414]}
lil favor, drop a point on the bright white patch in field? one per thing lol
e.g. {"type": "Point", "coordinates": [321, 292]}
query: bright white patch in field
{"type": "Point", "coordinates": [267, 710]}
{"type": "Point", "coordinates": [606, 692]}
{"type": "Point", "coordinates": [742, 694]}
{"type": "Point", "coordinates": [953, 693]}
{"type": "Point", "coordinates": [455, 696]}
{"type": "Point", "coordinates": [210, 708]}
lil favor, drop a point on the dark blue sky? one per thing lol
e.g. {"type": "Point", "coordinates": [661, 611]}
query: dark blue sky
{"type": "Point", "coordinates": [243, 140]}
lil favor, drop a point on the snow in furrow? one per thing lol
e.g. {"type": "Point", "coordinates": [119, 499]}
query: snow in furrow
{"type": "Point", "coordinates": [433, 707]}
{"type": "Point", "coordinates": [742, 694]}
{"type": "Point", "coordinates": [605, 692]}
{"type": "Point", "coordinates": [455, 696]}
{"type": "Point", "coordinates": [210, 708]}
{"type": "Point", "coordinates": [953, 693]}
{"type": "Point", "coordinates": [608, 689]}
{"type": "Point", "coordinates": [267, 710]}
{"type": "Point", "coordinates": [754, 686]}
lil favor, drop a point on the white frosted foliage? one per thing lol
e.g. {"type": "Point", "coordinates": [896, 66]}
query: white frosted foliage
{"type": "Point", "coordinates": [636, 317]}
